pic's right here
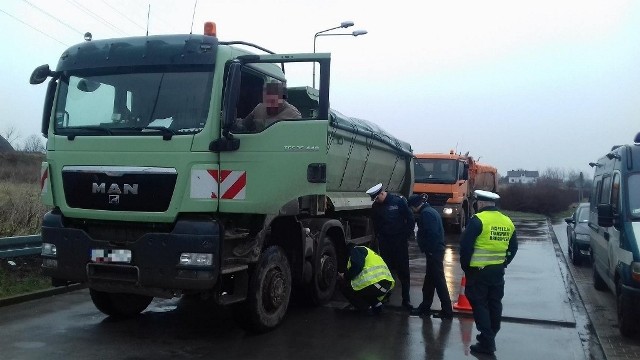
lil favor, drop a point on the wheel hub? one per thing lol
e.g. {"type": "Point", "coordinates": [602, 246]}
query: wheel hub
{"type": "Point", "coordinates": [274, 289]}
{"type": "Point", "coordinates": [327, 271]}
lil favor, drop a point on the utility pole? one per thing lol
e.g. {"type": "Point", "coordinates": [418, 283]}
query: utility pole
{"type": "Point", "coordinates": [580, 183]}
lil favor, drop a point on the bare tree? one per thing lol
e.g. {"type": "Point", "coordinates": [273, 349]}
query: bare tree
{"type": "Point", "coordinates": [11, 134]}
{"type": "Point", "coordinates": [33, 144]}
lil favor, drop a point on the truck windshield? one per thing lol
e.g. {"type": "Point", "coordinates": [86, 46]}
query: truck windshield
{"type": "Point", "coordinates": [431, 171]}
{"type": "Point", "coordinates": [633, 192]}
{"type": "Point", "coordinates": [131, 103]}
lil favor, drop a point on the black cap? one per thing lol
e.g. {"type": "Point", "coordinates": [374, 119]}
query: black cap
{"type": "Point", "coordinates": [416, 200]}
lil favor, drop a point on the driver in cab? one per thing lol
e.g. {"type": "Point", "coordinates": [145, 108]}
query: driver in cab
{"type": "Point", "coordinates": [273, 108]}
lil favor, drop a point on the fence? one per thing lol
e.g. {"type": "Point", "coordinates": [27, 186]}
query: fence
{"type": "Point", "coordinates": [20, 246]}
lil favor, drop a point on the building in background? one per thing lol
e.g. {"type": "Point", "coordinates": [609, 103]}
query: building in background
{"type": "Point", "coordinates": [522, 176]}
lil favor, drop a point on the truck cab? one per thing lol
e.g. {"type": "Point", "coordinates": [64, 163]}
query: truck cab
{"type": "Point", "coordinates": [614, 231]}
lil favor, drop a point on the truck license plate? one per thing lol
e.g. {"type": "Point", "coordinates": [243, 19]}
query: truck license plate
{"type": "Point", "coordinates": [111, 255]}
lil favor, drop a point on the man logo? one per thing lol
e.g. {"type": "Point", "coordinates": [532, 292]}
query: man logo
{"type": "Point", "coordinates": [114, 189]}
{"type": "Point", "coordinates": [114, 199]}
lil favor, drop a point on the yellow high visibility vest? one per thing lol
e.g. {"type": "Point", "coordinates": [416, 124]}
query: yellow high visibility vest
{"type": "Point", "coordinates": [374, 271]}
{"type": "Point", "coordinates": [492, 243]}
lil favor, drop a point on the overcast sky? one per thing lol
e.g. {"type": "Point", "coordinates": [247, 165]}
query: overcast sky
{"type": "Point", "coordinates": [519, 84]}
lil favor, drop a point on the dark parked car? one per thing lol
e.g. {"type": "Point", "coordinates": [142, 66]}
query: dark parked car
{"type": "Point", "coordinates": [578, 234]}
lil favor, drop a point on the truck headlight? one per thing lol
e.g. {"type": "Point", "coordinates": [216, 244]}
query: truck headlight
{"type": "Point", "coordinates": [49, 249]}
{"type": "Point", "coordinates": [447, 211]}
{"type": "Point", "coordinates": [196, 259]}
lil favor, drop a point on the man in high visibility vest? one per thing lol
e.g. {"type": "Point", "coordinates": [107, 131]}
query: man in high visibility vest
{"type": "Point", "coordinates": [487, 246]}
{"type": "Point", "coordinates": [367, 280]}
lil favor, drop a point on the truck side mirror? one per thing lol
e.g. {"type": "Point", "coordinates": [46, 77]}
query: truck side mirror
{"type": "Point", "coordinates": [232, 91]}
{"type": "Point", "coordinates": [465, 172]}
{"type": "Point", "coordinates": [40, 74]}
{"type": "Point", "coordinates": [48, 106]}
{"type": "Point", "coordinates": [231, 94]}
{"type": "Point", "coordinates": [605, 215]}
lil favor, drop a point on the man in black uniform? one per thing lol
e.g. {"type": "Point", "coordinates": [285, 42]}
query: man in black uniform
{"type": "Point", "coordinates": [487, 246]}
{"type": "Point", "coordinates": [431, 242]}
{"type": "Point", "coordinates": [394, 223]}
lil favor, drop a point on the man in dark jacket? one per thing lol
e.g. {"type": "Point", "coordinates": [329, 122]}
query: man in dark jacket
{"type": "Point", "coordinates": [487, 246]}
{"type": "Point", "coordinates": [431, 242]}
{"type": "Point", "coordinates": [394, 224]}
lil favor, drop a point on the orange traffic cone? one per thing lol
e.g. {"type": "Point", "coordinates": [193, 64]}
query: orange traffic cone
{"type": "Point", "coordinates": [463, 302]}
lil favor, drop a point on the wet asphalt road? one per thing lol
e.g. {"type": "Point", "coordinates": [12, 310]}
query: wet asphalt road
{"type": "Point", "coordinates": [600, 307]}
{"type": "Point", "coordinates": [542, 321]}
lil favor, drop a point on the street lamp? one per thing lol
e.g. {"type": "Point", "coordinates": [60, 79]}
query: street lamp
{"type": "Point", "coordinates": [344, 24]}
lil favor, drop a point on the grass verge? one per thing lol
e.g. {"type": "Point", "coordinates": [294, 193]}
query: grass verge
{"type": "Point", "coordinates": [21, 275]}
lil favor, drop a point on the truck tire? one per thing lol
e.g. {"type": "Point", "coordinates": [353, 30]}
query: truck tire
{"type": "Point", "coordinates": [598, 283]}
{"type": "Point", "coordinates": [325, 270]}
{"type": "Point", "coordinates": [119, 304]}
{"type": "Point", "coordinates": [462, 223]}
{"type": "Point", "coordinates": [268, 294]}
{"type": "Point", "coordinates": [626, 313]}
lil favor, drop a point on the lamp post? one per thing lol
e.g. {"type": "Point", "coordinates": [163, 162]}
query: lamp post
{"type": "Point", "coordinates": [344, 24]}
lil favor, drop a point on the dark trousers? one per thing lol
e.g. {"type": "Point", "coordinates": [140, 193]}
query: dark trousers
{"type": "Point", "coordinates": [434, 281]}
{"type": "Point", "coordinates": [485, 289]}
{"type": "Point", "coordinates": [364, 297]}
{"type": "Point", "coordinates": [395, 253]}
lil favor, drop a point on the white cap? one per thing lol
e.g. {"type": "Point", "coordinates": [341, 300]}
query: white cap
{"type": "Point", "coordinates": [375, 190]}
{"type": "Point", "coordinates": [483, 195]}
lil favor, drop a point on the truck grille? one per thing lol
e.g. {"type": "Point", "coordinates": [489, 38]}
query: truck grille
{"type": "Point", "coordinates": [118, 188]}
{"type": "Point", "coordinates": [438, 199]}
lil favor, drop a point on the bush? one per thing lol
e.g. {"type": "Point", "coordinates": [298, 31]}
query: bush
{"type": "Point", "coordinates": [21, 210]}
{"type": "Point", "coordinates": [544, 197]}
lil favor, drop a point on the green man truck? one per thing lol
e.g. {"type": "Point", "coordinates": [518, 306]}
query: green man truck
{"type": "Point", "coordinates": [155, 191]}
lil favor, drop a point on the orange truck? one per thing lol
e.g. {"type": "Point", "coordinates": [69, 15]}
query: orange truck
{"type": "Point", "coordinates": [449, 180]}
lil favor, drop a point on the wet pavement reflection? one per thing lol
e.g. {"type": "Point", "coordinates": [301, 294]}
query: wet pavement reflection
{"type": "Point", "coordinates": [539, 322]}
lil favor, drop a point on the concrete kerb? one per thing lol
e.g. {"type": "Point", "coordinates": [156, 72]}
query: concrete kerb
{"type": "Point", "coordinates": [573, 285]}
{"type": "Point", "coordinates": [17, 299]}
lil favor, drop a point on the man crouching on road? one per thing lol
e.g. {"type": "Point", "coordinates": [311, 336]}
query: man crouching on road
{"type": "Point", "coordinates": [367, 280]}
{"type": "Point", "coordinates": [487, 246]}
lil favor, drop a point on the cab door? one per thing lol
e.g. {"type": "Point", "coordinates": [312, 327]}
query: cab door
{"type": "Point", "coordinates": [600, 234]}
{"type": "Point", "coordinates": [613, 232]}
{"type": "Point", "coordinates": [262, 170]}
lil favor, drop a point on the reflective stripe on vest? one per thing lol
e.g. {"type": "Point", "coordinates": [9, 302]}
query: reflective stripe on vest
{"type": "Point", "coordinates": [492, 243]}
{"type": "Point", "coordinates": [374, 271]}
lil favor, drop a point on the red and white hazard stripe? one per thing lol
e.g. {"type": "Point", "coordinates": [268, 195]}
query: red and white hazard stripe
{"type": "Point", "coordinates": [214, 184]}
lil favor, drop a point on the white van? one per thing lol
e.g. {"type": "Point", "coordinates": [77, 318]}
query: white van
{"type": "Point", "coordinates": [614, 231]}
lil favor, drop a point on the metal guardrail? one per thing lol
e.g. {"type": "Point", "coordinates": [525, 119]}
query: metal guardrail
{"type": "Point", "coordinates": [20, 246]}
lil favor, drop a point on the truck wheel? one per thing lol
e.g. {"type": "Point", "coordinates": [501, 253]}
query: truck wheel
{"type": "Point", "coordinates": [598, 283]}
{"type": "Point", "coordinates": [119, 304]}
{"type": "Point", "coordinates": [325, 269]}
{"type": "Point", "coordinates": [462, 223]}
{"type": "Point", "coordinates": [268, 294]}
{"type": "Point", "coordinates": [626, 314]}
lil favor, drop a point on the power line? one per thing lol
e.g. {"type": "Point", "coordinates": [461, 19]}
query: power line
{"type": "Point", "coordinates": [95, 16]}
{"type": "Point", "coordinates": [55, 18]}
{"type": "Point", "coordinates": [124, 15]}
{"type": "Point", "coordinates": [38, 30]}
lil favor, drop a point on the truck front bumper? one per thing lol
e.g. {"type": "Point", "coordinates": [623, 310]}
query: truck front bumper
{"type": "Point", "coordinates": [152, 265]}
{"type": "Point", "coordinates": [450, 212]}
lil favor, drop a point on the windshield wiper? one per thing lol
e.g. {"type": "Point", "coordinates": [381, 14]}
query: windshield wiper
{"type": "Point", "coordinates": [167, 133]}
{"type": "Point", "coordinates": [94, 128]}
